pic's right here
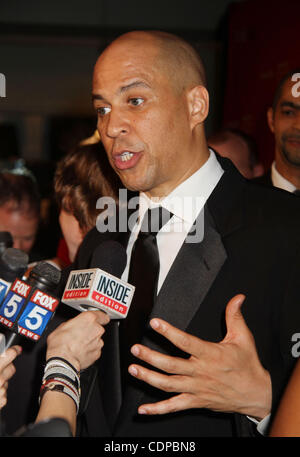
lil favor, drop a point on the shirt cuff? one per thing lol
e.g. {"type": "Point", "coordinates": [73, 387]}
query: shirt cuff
{"type": "Point", "coordinates": [261, 426]}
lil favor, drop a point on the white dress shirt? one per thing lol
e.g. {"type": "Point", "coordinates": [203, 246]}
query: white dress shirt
{"type": "Point", "coordinates": [279, 181]}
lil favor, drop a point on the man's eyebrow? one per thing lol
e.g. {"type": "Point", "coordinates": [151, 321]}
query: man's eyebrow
{"type": "Point", "coordinates": [290, 105]}
{"type": "Point", "coordinates": [133, 85]}
{"type": "Point", "coordinates": [97, 97]}
{"type": "Point", "coordinates": [123, 89]}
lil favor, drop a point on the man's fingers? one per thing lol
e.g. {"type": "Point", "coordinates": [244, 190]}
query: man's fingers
{"type": "Point", "coordinates": [233, 309]}
{"type": "Point", "coordinates": [237, 329]}
{"type": "Point", "coordinates": [187, 343]}
{"type": "Point", "coordinates": [177, 403]}
{"type": "Point", "coordinates": [174, 383]}
{"type": "Point", "coordinates": [161, 361]}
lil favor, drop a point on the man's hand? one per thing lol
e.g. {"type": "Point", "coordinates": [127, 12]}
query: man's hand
{"type": "Point", "coordinates": [79, 340]}
{"type": "Point", "coordinates": [225, 376]}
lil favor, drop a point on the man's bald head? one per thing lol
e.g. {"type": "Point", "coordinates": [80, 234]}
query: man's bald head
{"type": "Point", "coordinates": [171, 54]}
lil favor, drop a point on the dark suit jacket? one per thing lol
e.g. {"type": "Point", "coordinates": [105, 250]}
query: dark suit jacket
{"type": "Point", "coordinates": [265, 179]}
{"type": "Point", "coordinates": [251, 246]}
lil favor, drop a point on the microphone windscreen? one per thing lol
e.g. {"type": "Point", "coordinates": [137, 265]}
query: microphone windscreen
{"type": "Point", "coordinates": [6, 240]}
{"type": "Point", "coordinates": [110, 256]}
{"type": "Point", "coordinates": [13, 263]}
{"type": "Point", "coordinates": [46, 273]}
{"type": "Point", "coordinates": [15, 259]}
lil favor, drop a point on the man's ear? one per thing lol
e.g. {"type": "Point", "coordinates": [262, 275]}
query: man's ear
{"type": "Point", "coordinates": [198, 102]}
{"type": "Point", "coordinates": [270, 119]}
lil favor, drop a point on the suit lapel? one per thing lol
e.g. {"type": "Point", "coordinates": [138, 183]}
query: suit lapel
{"type": "Point", "coordinates": [190, 278]}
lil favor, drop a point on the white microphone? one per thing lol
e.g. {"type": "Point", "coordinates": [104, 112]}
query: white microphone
{"type": "Point", "coordinates": [100, 288]}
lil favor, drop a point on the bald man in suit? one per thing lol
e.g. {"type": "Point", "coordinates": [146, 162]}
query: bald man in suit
{"type": "Point", "coordinates": [215, 351]}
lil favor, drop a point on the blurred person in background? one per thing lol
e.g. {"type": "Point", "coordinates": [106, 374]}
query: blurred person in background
{"type": "Point", "coordinates": [20, 209]}
{"type": "Point", "coordinates": [81, 178]}
{"type": "Point", "coordinates": [240, 148]}
{"type": "Point", "coordinates": [287, 419]}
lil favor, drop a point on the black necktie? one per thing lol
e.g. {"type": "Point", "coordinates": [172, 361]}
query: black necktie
{"type": "Point", "coordinates": [143, 274]}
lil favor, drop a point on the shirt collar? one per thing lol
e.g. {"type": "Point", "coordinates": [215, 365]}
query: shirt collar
{"type": "Point", "coordinates": [279, 181]}
{"type": "Point", "coordinates": [187, 199]}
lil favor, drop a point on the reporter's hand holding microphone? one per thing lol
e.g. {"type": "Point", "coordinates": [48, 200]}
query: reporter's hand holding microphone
{"type": "Point", "coordinates": [7, 369]}
{"type": "Point", "coordinates": [72, 347]}
{"type": "Point", "coordinates": [76, 344]}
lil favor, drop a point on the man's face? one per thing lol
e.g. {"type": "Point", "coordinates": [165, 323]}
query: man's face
{"type": "Point", "coordinates": [285, 124]}
{"type": "Point", "coordinates": [21, 225]}
{"type": "Point", "coordinates": [143, 122]}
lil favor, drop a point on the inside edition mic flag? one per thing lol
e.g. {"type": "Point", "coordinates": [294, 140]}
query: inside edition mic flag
{"type": "Point", "coordinates": [100, 287]}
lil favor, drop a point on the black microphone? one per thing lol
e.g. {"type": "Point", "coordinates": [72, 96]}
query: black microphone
{"type": "Point", "coordinates": [111, 257]}
{"type": "Point", "coordinates": [13, 264]}
{"type": "Point", "coordinates": [6, 241]}
{"type": "Point", "coordinates": [99, 287]}
{"type": "Point", "coordinates": [55, 427]}
{"type": "Point", "coordinates": [30, 304]}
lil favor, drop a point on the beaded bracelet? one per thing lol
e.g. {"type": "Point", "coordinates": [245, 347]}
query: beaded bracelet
{"type": "Point", "coordinates": [61, 376]}
{"type": "Point", "coordinates": [57, 385]}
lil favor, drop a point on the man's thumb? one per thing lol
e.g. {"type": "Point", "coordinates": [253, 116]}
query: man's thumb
{"type": "Point", "coordinates": [235, 321]}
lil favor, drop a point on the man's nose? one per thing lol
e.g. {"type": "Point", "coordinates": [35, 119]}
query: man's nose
{"type": "Point", "coordinates": [17, 244]}
{"type": "Point", "coordinates": [117, 124]}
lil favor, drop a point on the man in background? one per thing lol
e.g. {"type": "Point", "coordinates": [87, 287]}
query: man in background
{"type": "Point", "coordinates": [284, 122]}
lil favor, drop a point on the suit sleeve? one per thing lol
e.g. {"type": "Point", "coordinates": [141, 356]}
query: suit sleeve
{"type": "Point", "coordinates": [289, 325]}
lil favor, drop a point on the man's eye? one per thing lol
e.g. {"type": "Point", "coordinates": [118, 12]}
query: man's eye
{"type": "Point", "coordinates": [136, 101]}
{"type": "Point", "coordinates": [103, 110]}
{"type": "Point", "coordinates": [288, 112]}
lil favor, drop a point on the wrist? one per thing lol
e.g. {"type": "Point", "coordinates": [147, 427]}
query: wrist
{"type": "Point", "coordinates": [262, 404]}
{"type": "Point", "coordinates": [64, 355]}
